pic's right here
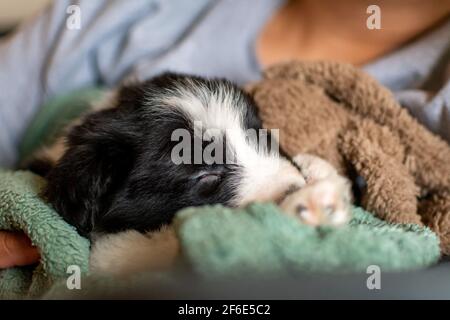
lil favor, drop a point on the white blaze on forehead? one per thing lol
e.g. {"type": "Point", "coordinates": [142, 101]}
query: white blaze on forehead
{"type": "Point", "coordinates": [215, 110]}
{"type": "Point", "coordinates": [220, 110]}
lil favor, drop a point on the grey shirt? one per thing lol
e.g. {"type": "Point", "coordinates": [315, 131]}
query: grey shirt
{"type": "Point", "coordinates": [140, 38]}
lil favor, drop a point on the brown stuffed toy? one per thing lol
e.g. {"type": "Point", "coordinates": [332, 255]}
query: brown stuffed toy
{"type": "Point", "coordinates": [339, 113]}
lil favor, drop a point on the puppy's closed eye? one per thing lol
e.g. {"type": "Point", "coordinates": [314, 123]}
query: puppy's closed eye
{"type": "Point", "coordinates": [207, 183]}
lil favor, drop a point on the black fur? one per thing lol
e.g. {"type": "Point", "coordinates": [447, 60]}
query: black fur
{"type": "Point", "coordinates": [117, 172]}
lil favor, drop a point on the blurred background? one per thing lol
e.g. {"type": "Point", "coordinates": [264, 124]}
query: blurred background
{"type": "Point", "coordinates": [14, 11]}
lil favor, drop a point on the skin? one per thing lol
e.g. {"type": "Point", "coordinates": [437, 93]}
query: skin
{"type": "Point", "coordinates": [336, 29]}
{"type": "Point", "coordinates": [308, 30]}
{"type": "Point", "coordinates": [16, 250]}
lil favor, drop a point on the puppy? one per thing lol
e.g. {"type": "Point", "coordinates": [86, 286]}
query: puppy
{"type": "Point", "coordinates": [121, 172]}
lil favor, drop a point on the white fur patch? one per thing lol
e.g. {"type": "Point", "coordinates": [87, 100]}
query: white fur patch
{"type": "Point", "coordinates": [129, 252]}
{"type": "Point", "coordinates": [265, 175]}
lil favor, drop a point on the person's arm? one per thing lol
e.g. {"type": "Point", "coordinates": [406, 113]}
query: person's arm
{"type": "Point", "coordinates": [16, 250]}
{"type": "Point", "coordinates": [23, 59]}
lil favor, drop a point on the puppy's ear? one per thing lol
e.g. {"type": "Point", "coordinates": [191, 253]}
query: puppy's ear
{"type": "Point", "coordinates": [100, 153]}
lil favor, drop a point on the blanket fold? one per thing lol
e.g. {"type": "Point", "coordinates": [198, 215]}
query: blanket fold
{"type": "Point", "coordinates": [261, 239]}
{"type": "Point", "coordinates": [59, 244]}
{"type": "Point", "coordinates": [215, 241]}
{"type": "Point", "coordinates": [259, 242]}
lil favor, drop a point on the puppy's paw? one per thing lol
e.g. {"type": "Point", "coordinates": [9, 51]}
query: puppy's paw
{"type": "Point", "coordinates": [322, 202]}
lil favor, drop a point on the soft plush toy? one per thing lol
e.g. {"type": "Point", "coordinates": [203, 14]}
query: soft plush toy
{"type": "Point", "coordinates": [337, 112]}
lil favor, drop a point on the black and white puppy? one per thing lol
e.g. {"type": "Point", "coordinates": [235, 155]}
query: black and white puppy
{"type": "Point", "coordinates": [118, 168]}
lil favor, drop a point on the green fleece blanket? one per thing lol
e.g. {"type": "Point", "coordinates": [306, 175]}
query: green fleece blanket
{"type": "Point", "coordinates": [215, 241]}
{"type": "Point", "coordinates": [260, 241]}
{"type": "Point", "coordinates": [59, 244]}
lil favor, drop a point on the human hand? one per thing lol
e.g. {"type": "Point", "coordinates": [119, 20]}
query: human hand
{"type": "Point", "coordinates": [16, 250]}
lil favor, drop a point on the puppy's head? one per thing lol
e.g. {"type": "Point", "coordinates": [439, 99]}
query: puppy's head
{"type": "Point", "coordinates": [165, 144]}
